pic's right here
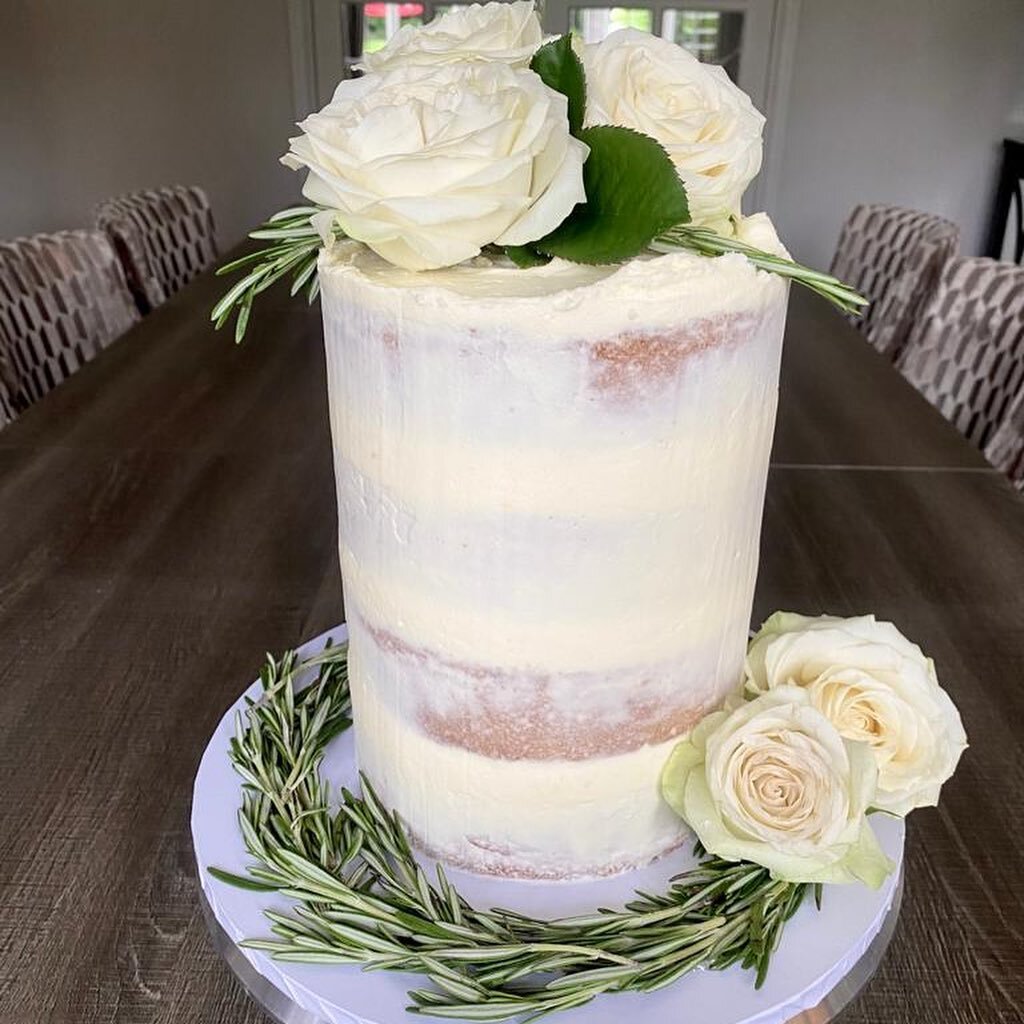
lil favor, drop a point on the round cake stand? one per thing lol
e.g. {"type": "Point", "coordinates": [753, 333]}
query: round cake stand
{"type": "Point", "coordinates": [825, 957]}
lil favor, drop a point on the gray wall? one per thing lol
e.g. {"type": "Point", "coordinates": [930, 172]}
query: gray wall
{"type": "Point", "coordinates": [108, 96]}
{"type": "Point", "coordinates": [901, 101]}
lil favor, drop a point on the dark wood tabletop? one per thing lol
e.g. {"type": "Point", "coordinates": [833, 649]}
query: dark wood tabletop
{"type": "Point", "coordinates": [168, 514]}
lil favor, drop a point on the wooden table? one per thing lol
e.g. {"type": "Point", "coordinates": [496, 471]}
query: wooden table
{"type": "Point", "coordinates": [168, 514]}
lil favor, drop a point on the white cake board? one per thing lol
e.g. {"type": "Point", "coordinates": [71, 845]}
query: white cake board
{"type": "Point", "coordinates": [824, 957]}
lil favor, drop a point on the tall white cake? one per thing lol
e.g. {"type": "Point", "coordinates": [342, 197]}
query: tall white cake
{"type": "Point", "coordinates": [550, 486]}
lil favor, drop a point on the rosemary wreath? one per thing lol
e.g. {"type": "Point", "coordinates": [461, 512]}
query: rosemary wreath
{"type": "Point", "coordinates": [362, 898]}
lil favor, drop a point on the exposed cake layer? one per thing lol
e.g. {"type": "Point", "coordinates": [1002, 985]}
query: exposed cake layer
{"type": "Point", "coordinates": [548, 449]}
{"type": "Point", "coordinates": [533, 714]}
{"type": "Point", "coordinates": [550, 487]}
{"type": "Point", "coordinates": [524, 819]}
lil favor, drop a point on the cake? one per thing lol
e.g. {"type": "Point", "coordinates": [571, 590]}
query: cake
{"type": "Point", "coordinates": [550, 484]}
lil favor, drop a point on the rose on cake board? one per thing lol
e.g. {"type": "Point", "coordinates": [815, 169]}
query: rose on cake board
{"type": "Point", "coordinates": [474, 138]}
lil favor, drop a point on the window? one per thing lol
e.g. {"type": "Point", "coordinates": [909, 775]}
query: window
{"type": "Point", "coordinates": [714, 37]}
{"type": "Point", "coordinates": [592, 24]}
{"type": "Point", "coordinates": [382, 21]}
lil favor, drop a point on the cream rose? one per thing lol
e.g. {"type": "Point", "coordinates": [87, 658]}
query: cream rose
{"type": "Point", "coordinates": [427, 165]}
{"type": "Point", "coordinates": [875, 686]}
{"type": "Point", "coordinates": [707, 124]}
{"type": "Point", "coordinates": [505, 32]}
{"type": "Point", "coordinates": [773, 782]}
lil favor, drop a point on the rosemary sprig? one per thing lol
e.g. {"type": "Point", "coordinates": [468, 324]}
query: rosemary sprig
{"type": "Point", "coordinates": [362, 898]}
{"type": "Point", "coordinates": [296, 246]}
{"type": "Point", "coordinates": [710, 243]}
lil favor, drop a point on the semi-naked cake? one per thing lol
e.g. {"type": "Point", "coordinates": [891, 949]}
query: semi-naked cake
{"type": "Point", "coordinates": [550, 485]}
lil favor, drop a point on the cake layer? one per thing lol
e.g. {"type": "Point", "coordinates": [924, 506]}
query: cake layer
{"type": "Point", "coordinates": [534, 713]}
{"type": "Point", "coordinates": [566, 299]}
{"type": "Point", "coordinates": [440, 582]}
{"type": "Point", "coordinates": [563, 455]}
{"type": "Point", "coordinates": [543, 385]}
{"type": "Point", "coordinates": [566, 640]}
{"type": "Point", "coordinates": [524, 819]}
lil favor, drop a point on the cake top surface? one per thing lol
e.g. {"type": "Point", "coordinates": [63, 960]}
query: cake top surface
{"type": "Point", "coordinates": [661, 285]}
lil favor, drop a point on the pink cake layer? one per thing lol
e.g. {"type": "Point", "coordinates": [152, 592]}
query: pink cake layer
{"type": "Point", "coordinates": [535, 715]}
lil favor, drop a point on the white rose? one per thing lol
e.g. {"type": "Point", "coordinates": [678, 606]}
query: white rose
{"type": "Point", "coordinates": [505, 32]}
{"type": "Point", "coordinates": [707, 124]}
{"type": "Point", "coordinates": [773, 782]}
{"type": "Point", "coordinates": [875, 686]}
{"type": "Point", "coordinates": [427, 165]}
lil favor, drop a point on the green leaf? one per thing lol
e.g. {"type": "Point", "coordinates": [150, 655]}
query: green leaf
{"type": "Point", "coordinates": [633, 195]}
{"type": "Point", "coordinates": [524, 256]}
{"type": "Point", "coordinates": [560, 69]}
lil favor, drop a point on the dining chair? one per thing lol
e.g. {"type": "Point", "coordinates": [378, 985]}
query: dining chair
{"type": "Point", "coordinates": [63, 298]}
{"type": "Point", "coordinates": [966, 352]}
{"type": "Point", "coordinates": [893, 257]}
{"type": "Point", "coordinates": [1006, 449]}
{"type": "Point", "coordinates": [164, 237]}
{"type": "Point", "coordinates": [7, 413]}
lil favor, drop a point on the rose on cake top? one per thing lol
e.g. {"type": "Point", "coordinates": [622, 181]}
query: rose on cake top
{"type": "Point", "coordinates": [428, 164]}
{"type": "Point", "coordinates": [707, 125]}
{"type": "Point", "coordinates": [506, 32]}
